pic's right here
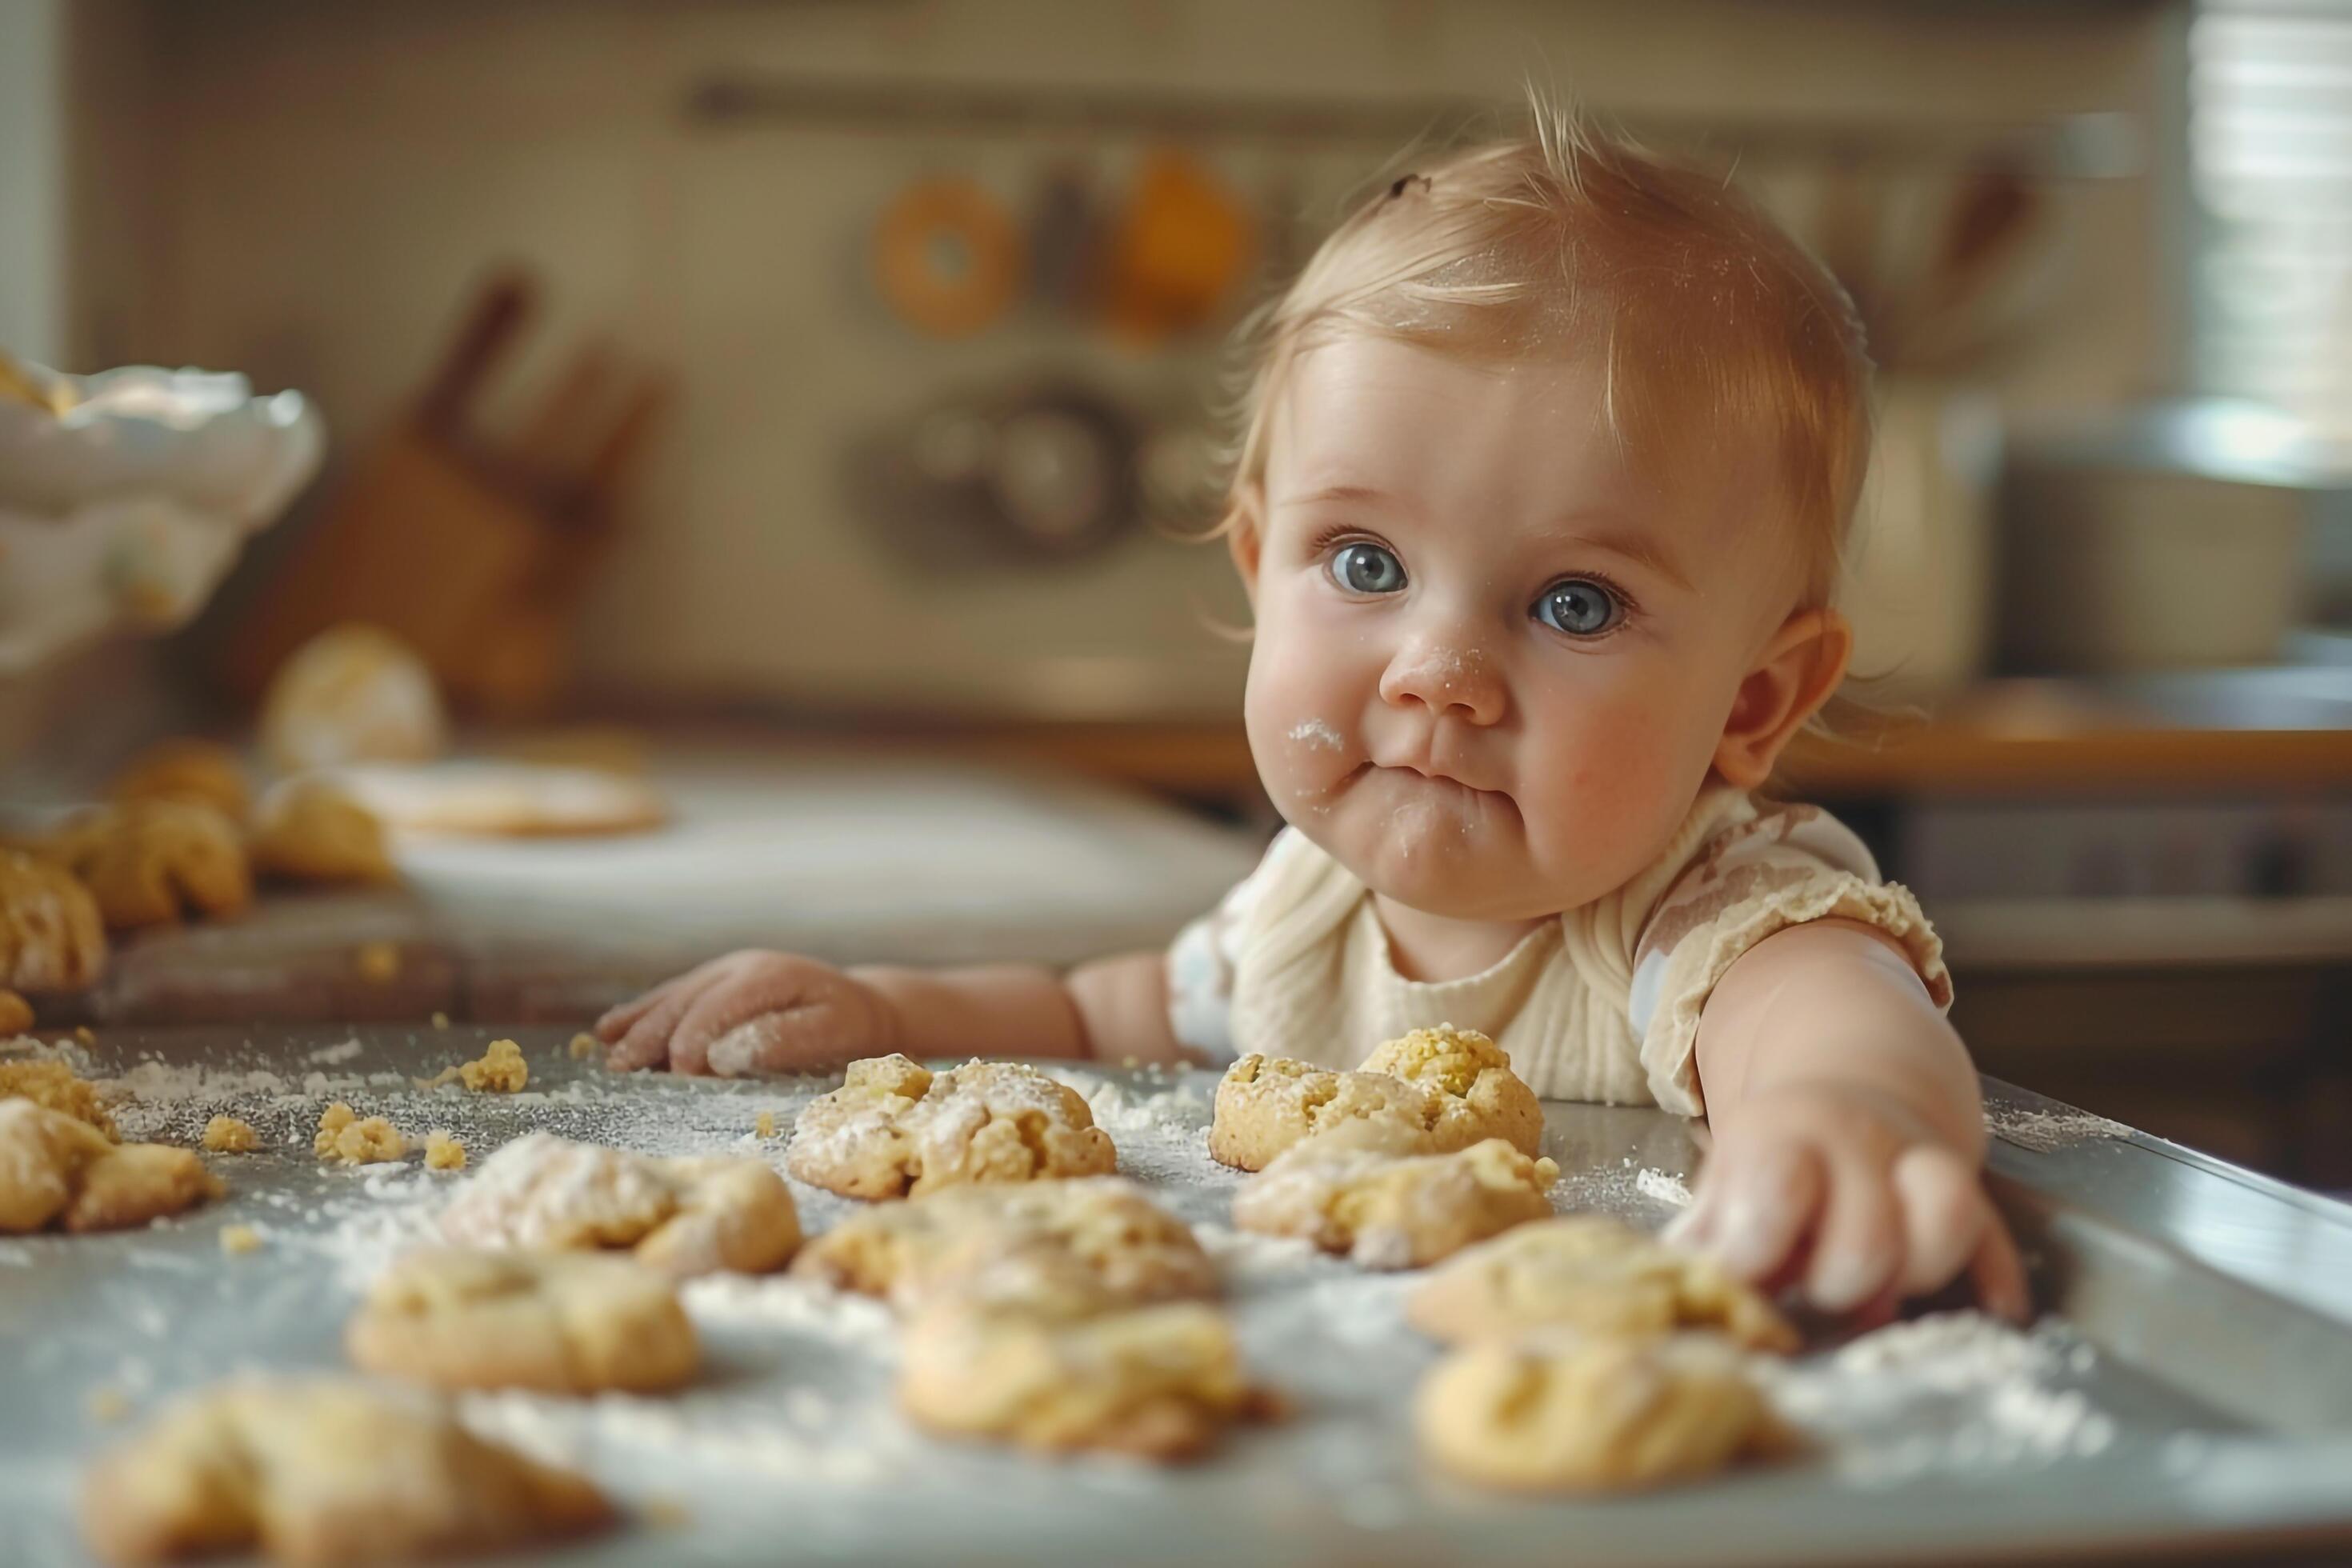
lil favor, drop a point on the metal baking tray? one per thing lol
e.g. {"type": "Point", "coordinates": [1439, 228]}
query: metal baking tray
{"type": "Point", "coordinates": [2189, 1396]}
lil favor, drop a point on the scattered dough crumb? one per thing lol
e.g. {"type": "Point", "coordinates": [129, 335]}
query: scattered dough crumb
{"type": "Point", "coordinates": [16, 1013]}
{"type": "Point", "coordinates": [238, 1239]}
{"type": "Point", "coordinates": [764, 1124]}
{"type": "Point", "coordinates": [664, 1513]}
{"type": "Point", "coordinates": [440, 1020]}
{"type": "Point", "coordinates": [443, 1153]}
{"type": "Point", "coordinates": [378, 962]}
{"type": "Point", "coordinates": [107, 1402]}
{"type": "Point", "coordinates": [227, 1135]}
{"type": "Point", "coordinates": [584, 1046]}
{"type": "Point", "coordinates": [500, 1070]}
{"type": "Point", "coordinates": [344, 1136]}
{"type": "Point", "coordinates": [86, 1035]}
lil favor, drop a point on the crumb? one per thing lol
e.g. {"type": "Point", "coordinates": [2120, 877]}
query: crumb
{"type": "Point", "coordinates": [664, 1513]}
{"type": "Point", "coordinates": [443, 1153]}
{"type": "Point", "coordinates": [53, 1086]}
{"type": "Point", "coordinates": [584, 1046]}
{"type": "Point", "coordinates": [237, 1239]}
{"type": "Point", "coordinates": [107, 1402]}
{"type": "Point", "coordinates": [764, 1124]}
{"type": "Point", "coordinates": [85, 1034]}
{"type": "Point", "coordinates": [500, 1070]}
{"type": "Point", "coordinates": [16, 1013]}
{"type": "Point", "coordinates": [440, 1020]}
{"type": "Point", "coordinates": [344, 1136]}
{"type": "Point", "coordinates": [227, 1135]}
{"type": "Point", "coordinates": [378, 962]}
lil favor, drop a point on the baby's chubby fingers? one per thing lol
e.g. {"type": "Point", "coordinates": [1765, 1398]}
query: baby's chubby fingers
{"type": "Point", "coordinates": [1944, 1216]}
{"type": "Point", "coordinates": [1755, 1208]}
{"type": "Point", "coordinates": [1859, 1250]}
{"type": "Point", "coordinates": [639, 1033]}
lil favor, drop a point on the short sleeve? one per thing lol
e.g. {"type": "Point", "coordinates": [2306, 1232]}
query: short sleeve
{"type": "Point", "coordinates": [1787, 866]}
{"type": "Point", "coordinates": [1200, 965]}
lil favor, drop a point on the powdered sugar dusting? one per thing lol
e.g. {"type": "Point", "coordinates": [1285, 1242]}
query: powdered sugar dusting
{"type": "Point", "coordinates": [2045, 1130]}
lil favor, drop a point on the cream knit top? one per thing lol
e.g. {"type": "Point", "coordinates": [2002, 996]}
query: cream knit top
{"type": "Point", "coordinates": [1601, 1004]}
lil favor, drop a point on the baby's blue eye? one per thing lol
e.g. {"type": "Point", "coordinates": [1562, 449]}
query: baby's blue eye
{"type": "Point", "coordinates": [1367, 569]}
{"type": "Point", "coordinates": [1579, 606]}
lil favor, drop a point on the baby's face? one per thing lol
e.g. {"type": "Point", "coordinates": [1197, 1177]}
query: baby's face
{"type": "Point", "coordinates": [1493, 661]}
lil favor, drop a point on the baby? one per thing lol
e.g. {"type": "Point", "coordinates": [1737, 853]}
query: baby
{"type": "Point", "coordinates": [1547, 460]}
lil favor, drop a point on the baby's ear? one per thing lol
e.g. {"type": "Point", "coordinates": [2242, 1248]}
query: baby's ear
{"type": "Point", "coordinates": [1797, 671]}
{"type": "Point", "coordinates": [1244, 535]}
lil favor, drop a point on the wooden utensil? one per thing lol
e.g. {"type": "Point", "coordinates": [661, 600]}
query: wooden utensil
{"type": "Point", "coordinates": [475, 553]}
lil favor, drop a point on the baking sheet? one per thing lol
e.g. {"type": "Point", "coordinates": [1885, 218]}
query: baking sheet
{"type": "Point", "coordinates": [1944, 1439]}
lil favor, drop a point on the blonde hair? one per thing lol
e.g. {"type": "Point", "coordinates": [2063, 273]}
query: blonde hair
{"type": "Point", "coordinates": [1564, 239]}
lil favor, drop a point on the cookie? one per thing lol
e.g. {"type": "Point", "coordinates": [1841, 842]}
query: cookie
{"type": "Point", "coordinates": [680, 1218]}
{"type": "Point", "coordinates": [1443, 1088]}
{"type": "Point", "coordinates": [308, 830]}
{"type": "Point", "coordinates": [559, 1324]}
{"type": "Point", "coordinates": [57, 1170]}
{"type": "Point", "coordinates": [322, 1473]}
{"type": "Point", "coordinates": [54, 1086]}
{"type": "Point", "coordinates": [1588, 1273]}
{"type": "Point", "coordinates": [205, 772]}
{"type": "Point", "coordinates": [151, 862]}
{"type": "Point", "coordinates": [351, 694]}
{"type": "Point", "coordinates": [1350, 1191]}
{"type": "Point", "coordinates": [1590, 1415]}
{"type": "Point", "coordinates": [52, 937]}
{"type": "Point", "coordinates": [894, 1129]}
{"type": "Point", "coordinates": [1158, 1382]}
{"type": "Point", "coordinates": [1020, 1241]}
{"type": "Point", "coordinates": [1479, 1096]}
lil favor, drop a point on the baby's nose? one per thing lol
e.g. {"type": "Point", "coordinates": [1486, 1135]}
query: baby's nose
{"type": "Point", "coordinates": [1445, 678]}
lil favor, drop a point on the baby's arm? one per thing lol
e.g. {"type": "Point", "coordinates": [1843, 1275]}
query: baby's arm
{"type": "Point", "coordinates": [754, 1012]}
{"type": "Point", "coordinates": [1847, 1128]}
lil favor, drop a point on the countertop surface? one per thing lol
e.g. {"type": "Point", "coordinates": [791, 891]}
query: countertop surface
{"type": "Point", "coordinates": [846, 855]}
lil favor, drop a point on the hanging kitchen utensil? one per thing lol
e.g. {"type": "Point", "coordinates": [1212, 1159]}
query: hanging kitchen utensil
{"type": "Point", "coordinates": [947, 257]}
{"type": "Point", "coordinates": [1063, 243]}
{"type": "Point", "coordinates": [1178, 255]}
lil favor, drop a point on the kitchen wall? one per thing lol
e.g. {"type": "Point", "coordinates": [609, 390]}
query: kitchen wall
{"type": "Point", "coordinates": [306, 193]}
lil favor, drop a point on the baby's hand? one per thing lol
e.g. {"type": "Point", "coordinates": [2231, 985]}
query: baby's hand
{"type": "Point", "coordinates": [1843, 1190]}
{"type": "Point", "coordinates": [750, 1014]}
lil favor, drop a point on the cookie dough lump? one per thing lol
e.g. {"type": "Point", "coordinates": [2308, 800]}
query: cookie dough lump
{"type": "Point", "coordinates": [227, 1135]}
{"type": "Point", "coordinates": [1580, 1414]}
{"type": "Point", "coordinates": [1449, 1089]}
{"type": "Point", "coordinates": [1589, 1274]}
{"type": "Point", "coordinates": [894, 1129]}
{"type": "Point", "coordinates": [1026, 1241]}
{"type": "Point", "coordinates": [443, 1153]}
{"type": "Point", "coordinates": [680, 1217]}
{"type": "Point", "coordinates": [323, 1473]}
{"type": "Point", "coordinates": [500, 1069]}
{"type": "Point", "coordinates": [1158, 1381]}
{"type": "Point", "coordinates": [54, 1086]}
{"type": "Point", "coordinates": [55, 1169]}
{"type": "Point", "coordinates": [562, 1324]}
{"type": "Point", "coordinates": [345, 1136]}
{"type": "Point", "coordinates": [151, 862]}
{"type": "Point", "coordinates": [52, 937]}
{"type": "Point", "coordinates": [309, 830]}
{"type": "Point", "coordinates": [16, 1013]}
{"type": "Point", "coordinates": [1352, 1191]}
{"type": "Point", "coordinates": [204, 772]}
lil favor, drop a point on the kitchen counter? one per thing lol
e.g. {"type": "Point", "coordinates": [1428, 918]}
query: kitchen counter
{"type": "Point", "coordinates": [847, 855]}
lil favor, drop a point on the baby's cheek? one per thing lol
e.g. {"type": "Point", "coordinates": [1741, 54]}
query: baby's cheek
{"type": "Point", "coordinates": [1617, 788]}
